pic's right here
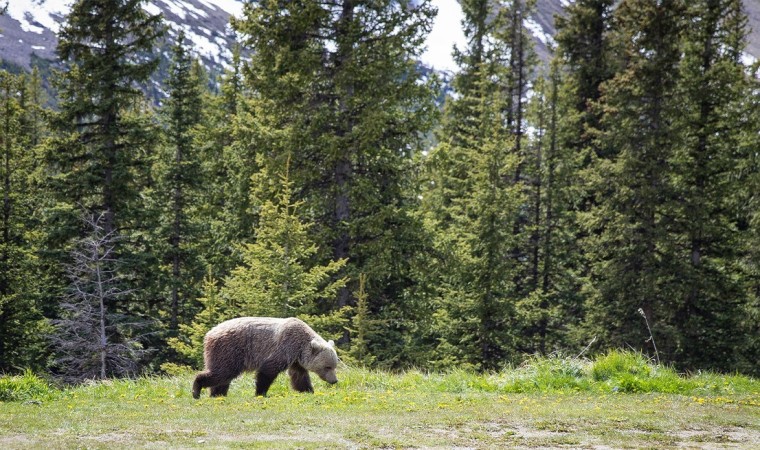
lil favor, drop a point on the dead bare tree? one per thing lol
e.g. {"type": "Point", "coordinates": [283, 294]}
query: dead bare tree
{"type": "Point", "coordinates": [91, 340]}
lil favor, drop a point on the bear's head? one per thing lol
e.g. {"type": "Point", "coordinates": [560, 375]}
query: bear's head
{"type": "Point", "coordinates": [322, 360]}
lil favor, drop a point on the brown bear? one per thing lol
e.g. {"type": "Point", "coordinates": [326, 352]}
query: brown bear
{"type": "Point", "coordinates": [268, 346]}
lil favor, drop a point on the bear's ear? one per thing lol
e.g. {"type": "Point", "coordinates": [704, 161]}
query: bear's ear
{"type": "Point", "coordinates": [316, 346]}
{"type": "Point", "coordinates": [331, 343]}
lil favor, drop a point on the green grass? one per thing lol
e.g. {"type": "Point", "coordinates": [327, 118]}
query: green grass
{"type": "Point", "coordinates": [618, 400]}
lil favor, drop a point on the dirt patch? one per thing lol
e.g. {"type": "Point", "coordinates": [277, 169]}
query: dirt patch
{"type": "Point", "coordinates": [721, 437]}
{"type": "Point", "coordinates": [15, 440]}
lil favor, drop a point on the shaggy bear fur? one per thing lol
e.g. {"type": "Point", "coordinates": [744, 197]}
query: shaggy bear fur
{"type": "Point", "coordinates": [268, 346]}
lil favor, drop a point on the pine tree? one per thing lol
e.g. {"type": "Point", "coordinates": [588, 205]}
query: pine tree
{"type": "Point", "coordinates": [362, 327]}
{"type": "Point", "coordinates": [336, 85]}
{"type": "Point", "coordinates": [515, 39]}
{"type": "Point", "coordinates": [750, 207]}
{"type": "Point", "coordinates": [103, 46]}
{"type": "Point", "coordinates": [178, 179]}
{"type": "Point", "coordinates": [711, 296]}
{"type": "Point", "coordinates": [21, 320]}
{"type": "Point", "coordinates": [228, 164]}
{"type": "Point", "coordinates": [471, 203]}
{"type": "Point", "coordinates": [552, 309]}
{"type": "Point", "coordinates": [97, 159]}
{"type": "Point", "coordinates": [278, 277]}
{"type": "Point", "coordinates": [629, 239]}
{"type": "Point", "coordinates": [587, 61]}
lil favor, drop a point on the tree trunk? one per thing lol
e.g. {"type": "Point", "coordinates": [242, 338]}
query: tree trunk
{"type": "Point", "coordinates": [176, 239]}
{"type": "Point", "coordinates": [343, 169]}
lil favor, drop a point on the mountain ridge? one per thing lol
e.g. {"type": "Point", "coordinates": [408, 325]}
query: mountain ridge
{"type": "Point", "coordinates": [28, 29]}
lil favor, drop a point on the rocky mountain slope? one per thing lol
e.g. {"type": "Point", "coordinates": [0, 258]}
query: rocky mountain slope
{"type": "Point", "coordinates": [28, 28]}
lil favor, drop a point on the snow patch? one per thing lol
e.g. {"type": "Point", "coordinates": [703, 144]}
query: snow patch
{"type": "Point", "coordinates": [175, 8]}
{"type": "Point", "coordinates": [538, 32]}
{"type": "Point", "coordinates": [748, 59]}
{"type": "Point", "coordinates": [204, 46]}
{"type": "Point", "coordinates": [232, 7]}
{"type": "Point", "coordinates": [35, 16]}
{"type": "Point", "coordinates": [194, 11]}
{"type": "Point", "coordinates": [152, 9]}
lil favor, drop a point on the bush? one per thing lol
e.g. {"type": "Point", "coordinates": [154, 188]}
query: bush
{"type": "Point", "coordinates": [25, 387]}
{"type": "Point", "coordinates": [546, 374]}
{"type": "Point", "coordinates": [617, 364]}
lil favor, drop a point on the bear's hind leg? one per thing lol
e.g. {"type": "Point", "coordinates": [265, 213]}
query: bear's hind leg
{"type": "Point", "coordinates": [218, 382]}
{"type": "Point", "coordinates": [202, 380]}
{"type": "Point", "coordinates": [299, 379]}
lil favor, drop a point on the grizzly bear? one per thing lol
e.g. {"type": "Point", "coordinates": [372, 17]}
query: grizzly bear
{"type": "Point", "coordinates": [268, 346]}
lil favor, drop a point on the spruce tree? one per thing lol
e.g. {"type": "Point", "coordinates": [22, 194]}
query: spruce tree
{"type": "Point", "coordinates": [471, 203]}
{"type": "Point", "coordinates": [21, 321]}
{"type": "Point", "coordinates": [178, 180]}
{"type": "Point", "coordinates": [97, 160]}
{"type": "Point", "coordinates": [706, 177]}
{"type": "Point", "coordinates": [336, 85]}
{"type": "Point", "coordinates": [227, 164]}
{"type": "Point", "coordinates": [750, 206]}
{"type": "Point", "coordinates": [629, 240]}
{"type": "Point", "coordinates": [277, 277]}
{"type": "Point", "coordinates": [104, 46]}
{"type": "Point", "coordinates": [552, 308]}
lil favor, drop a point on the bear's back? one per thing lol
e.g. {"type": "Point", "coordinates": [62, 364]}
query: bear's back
{"type": "Point", "coordinates": [257, 339]}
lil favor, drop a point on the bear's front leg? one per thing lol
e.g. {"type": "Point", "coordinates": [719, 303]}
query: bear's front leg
{"type": "Point", "coordinates": [299, 379]}
{"type": "Point", "coordinates": [265, 376]}
{"type": "Point", "coordinates": [220, 390]}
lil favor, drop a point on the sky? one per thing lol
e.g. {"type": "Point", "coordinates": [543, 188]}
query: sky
{"type": "Point", "coordinates": [447, 31]}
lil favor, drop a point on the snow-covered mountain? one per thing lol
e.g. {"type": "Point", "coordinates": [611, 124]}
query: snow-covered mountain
{"type": "Point", "coordinates": [28, 29]}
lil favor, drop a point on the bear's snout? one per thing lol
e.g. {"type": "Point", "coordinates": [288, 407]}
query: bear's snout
{"type": "Point", "coordinates": [329, 377]}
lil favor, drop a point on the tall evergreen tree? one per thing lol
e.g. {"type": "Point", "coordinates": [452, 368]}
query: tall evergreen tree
{"type": "Point", "coordinates": [552, 308]}
{"type": "Point", "coordinates": [633, 265]}
{"type": "Point", "coordinates": [471, 202]}
{"type": "Point", "coordinates": [178, 179]}
{"type": "Point", "coordinates": [513, 36]}
{"type": "Point", "coordinates": [227, 164]}
{"type": "Point", "coordinates": [21, 318]}
{"type": "Point", "coordinates": [750, 176]}
{"type": "Point", "coordinates": [336, 84]}
{"type": "Point", "coordinates": [707, 238]}
{"type": "Point", "coordinates": [277, 277]}
{"type": "Point", "coordinates": [98, 159]}
{"type": "Point", "coordinates": [104, 45]}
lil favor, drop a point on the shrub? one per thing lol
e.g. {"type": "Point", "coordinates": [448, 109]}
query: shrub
{"type": "Point", "coordinates": [617, 364]}
{"type": "Point", "coordinates": [25, 387]}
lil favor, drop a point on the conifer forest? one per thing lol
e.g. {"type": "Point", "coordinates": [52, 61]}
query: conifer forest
{"type": "Point", "coordinates": [606, 199]}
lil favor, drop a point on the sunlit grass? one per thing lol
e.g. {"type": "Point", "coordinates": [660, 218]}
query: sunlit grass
{"type": "Point", "coordinates": [618, 399]}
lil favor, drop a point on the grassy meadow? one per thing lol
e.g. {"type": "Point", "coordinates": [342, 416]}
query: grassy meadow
{"type": "Point", "coordinates": [618, 400]}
